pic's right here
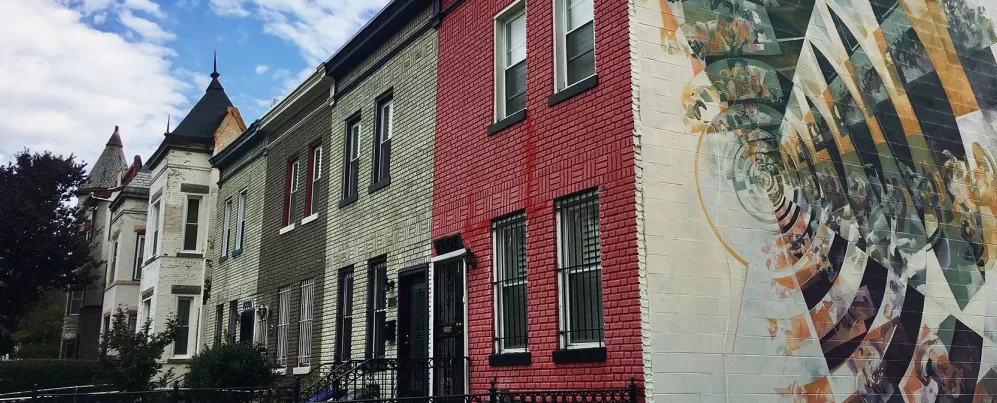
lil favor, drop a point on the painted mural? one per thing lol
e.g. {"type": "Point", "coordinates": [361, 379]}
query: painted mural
{"type": "Point", "coordinates": [848, 158]}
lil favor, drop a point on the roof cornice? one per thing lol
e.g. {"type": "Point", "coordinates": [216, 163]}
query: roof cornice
{"type": "Point", "coordinates": [301, 96]}
{"type": "Point", "coordinates": [373, 34]}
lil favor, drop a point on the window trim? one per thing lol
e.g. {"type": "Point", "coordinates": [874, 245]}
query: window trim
{"type": "Point", "coordinates": [344, 336]}
{"type": "Point", "coordinates": [583, 196]}
{"type": "Point", "coordinates": [146, 307]}
{"type": "Point", "coordinates": [306, 304]}
{"type": "Point", "coordinates": [82, 299]}
{"type": "Point", "coordinates": [113, 266]}
{"type": "Point", "coordinates": [240, 231]}
{"type": "Point", "coordinates": [560, 16]}
{"type": "Point", "coordinates": [507, 221]}
{"type": "Point", "coordinates": [512, 11]}
{"type": "Point", "coordinates": [381, 150]}
{"type": "Point", "coordinates": [219, 320]}
{"type": "Point", "coordinates": [226, 227]}
{"type": "Point", "coordinates": [376, 340]}
{"type": "Point", "coordinates": [290, 188]}
{"type": "Point", "coordinates": [190, 315]}
{"type": "Point", "coordinates": [156, 212]}
{"type": "Point", "coordinates": [314, 174]}
{"type": "Point", "coordinates": [283, 325]}
{"type": "Point", "coordinates": [351, 160]}
{"type": "Point", "coordinates": [200, 230]}
{"type": "Point", "coordinates": [139, 256]}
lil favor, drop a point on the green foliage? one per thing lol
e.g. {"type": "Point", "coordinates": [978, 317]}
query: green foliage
{"type": "Point", "coordinates": [22, 375]}
{"type": "Point", "coordinates": [128, 359]}
{"type": "Point", "coordinates": [39, 331]}
{"type": "Point", "coordinates": [230, 365]}
{"type": "Point", "coordinates": [42, 245]}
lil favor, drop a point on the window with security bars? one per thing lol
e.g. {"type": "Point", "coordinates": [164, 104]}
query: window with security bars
{"type": "Point", "coordinates": [376, 307]}
{"type": "Point", "coordinates": [509, 246]}
{"type": "Point", "coordinates": [305, 323]}
{"type": "Point", "coordinates": [344, 325]}
{"type": "Point", "coordinates": [510, 33]}
{"type": "Point", "coordinates": [283, 324]}
{"type": "Point", "coordinates": [575, 43]}
{"type": "Point", "coordinates": [579, 270]}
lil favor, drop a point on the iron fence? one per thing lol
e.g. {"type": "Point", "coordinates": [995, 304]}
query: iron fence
{"type": "Point", "coordinates": [384, 379]}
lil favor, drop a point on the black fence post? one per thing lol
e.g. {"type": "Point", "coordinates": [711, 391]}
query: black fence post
{"type": "Point", "coordinates": [176, 391]}
{"type": "Point", "coordinates": [493, 392]}
{"type": "Point", "coordinates": [297, 389]}
{"type": "Point", "coordinates": [633, 390]}
{"type": "Point", "coordinates": [34, 393]}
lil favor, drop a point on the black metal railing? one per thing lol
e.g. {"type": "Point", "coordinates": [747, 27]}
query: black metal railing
{"type": "Point", "coordinates": [176, 395]}
{"type": "Point", "coordinates": [384, 379]}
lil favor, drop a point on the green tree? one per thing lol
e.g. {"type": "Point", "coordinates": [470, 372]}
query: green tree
{"type": "Point", "coordinates": [230, 366]}
{"type": "Point", "coordinates": [42, 244]}
{"type": "Point", "coordinates": [39, 331]}
{"type": "Point", "coordinates": [129, 359]}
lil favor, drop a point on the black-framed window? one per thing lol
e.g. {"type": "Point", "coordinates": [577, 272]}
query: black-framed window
{"type": "Point", "coordinates": [219, 317]}
{"type": "Point", "coordinates": [351, 159]}
{"type": "Point", "coordinates": [233, 315]}
{"type": "Point", "coordinates": [344, 317]}
{"type": "Point", "coordinates": [69, 348]}
{"type": "Point", "coordinates": [139, 256]}
{"type": "Point", "coordinates": [579, 270]}
{"type": "Point", "coordinates": [509, 246]}
{"type": "Point", "coordinates": [376, 306]}
{"type": "Point", "coordinates": [384, 128]}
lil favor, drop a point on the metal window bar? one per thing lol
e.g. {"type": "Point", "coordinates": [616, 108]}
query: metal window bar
{"type": "Point", "coordinates": [305, 323]}
{"type": "Point", "coordinates": [510, 283]}
{"type": "Point", "coordinates": [579, 269]}
{"type": "Point", "coordinates": [283, 324]}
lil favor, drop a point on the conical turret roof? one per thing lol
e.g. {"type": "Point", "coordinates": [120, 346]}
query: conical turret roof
{"type": "Point", "coordinates": [109, 166]}
{"type": "Point", "coordinates": [204, 118]}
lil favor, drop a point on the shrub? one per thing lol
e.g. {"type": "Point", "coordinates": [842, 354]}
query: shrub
{"type": "Point", "coordinates": [230, 366]}
{"type": "Point", "coordinates": [129, 359]}
{"type": "Point", "coordinates": [22, 375]}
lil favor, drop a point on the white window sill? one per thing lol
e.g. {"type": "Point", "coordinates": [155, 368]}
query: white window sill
{"type": "Point", "coordinates": [286, 229]}
{"type": "Point", "coordinates": [280, 371]}
{"type": "Point", "coordinates": [301, 370]}
{"type": "Point", "coordinates": [309, 219]}
{"type": "Point", "coordinates": [577, 346]}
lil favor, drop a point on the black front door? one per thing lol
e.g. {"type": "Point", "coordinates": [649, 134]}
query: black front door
{"type": "Point", "coordinates": [448, 328]}
{"type": "Point", "coordinates": [413, 335]}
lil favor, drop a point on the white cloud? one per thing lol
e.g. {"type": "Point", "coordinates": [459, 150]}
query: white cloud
{"type": "Point", "coordinates": [99, 18]}
{"type": "Point", "coordinates": [231, 8]}
{"type": "Point", "coordinates": [113, 81]}
{"type": "Point", "coordinates": [187, 4]}
{"type": "Point", "coordinates": [281, 73]}
{"type": "Point", "coordinates": [262, 68]}
{"type": "Point", "coordinates": [148, 29]}
{"type": "Point", "coordinates": [144, 6]}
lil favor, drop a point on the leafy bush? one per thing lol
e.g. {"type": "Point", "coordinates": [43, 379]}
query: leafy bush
{"type": "Point", "coordinates": [230, 366]}
{"type": "Point", "coordinates": [22, 375]}
{"type": "Point", "coordinates": [129, 359]}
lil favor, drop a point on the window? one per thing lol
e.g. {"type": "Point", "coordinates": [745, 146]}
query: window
{"type": "Point", "coordinates": [114, 262]}
{"type": "Point", "coordinates": [219, 317]}
{"type": "Point", "coordinates": [132, 322]}
{"type": "Point", "coordinates": [351, 164]}
{"type": "Point", "coordinates": [107, 326]}
{"type": "Point", "coordinates": [139, 256]}
{"type": "Point", "coordinates": [314, 174]}
{"type": "Point", "coordinates": [191, 223]}
{"type": "Point", "coordinates": [376, 312]}
{"type": "Point", "coordinates": [246, 326]}
{"type": "Point", "coordinates": [181, 342]}
{"type": "Point", "coordinates": [579, 273]}
{"type": "Point", "coordinates": [233, 313]}
{"type": "Point", "coordinates": [344, 325]}
{"type": "Point", "coordinates": [305, 323]}
{"type": "Point", "coordinates": [154, 216]}
{"type": "Point", "coordinates": [509, 243]}
{"type": "Point", "coordinates": [290, 198]}
{"type": "Point", "coordinates": [261, 328]}
{"type": "Point", "coordinates": [226, 226]}
{"type": "Point", "coordinates": [240, 229]}
{"type": "Point", "coordinates": [146, 310]}
{"type": "Point", "coordinates": [69, 349]}
{"type": "Point", "coordinates": [283, 323]}
{"type": "Point", "coordinates": [510, 61]}
{"type": "Point", "coordinates": [75, 302]}
{"type": "Point", "coordinates": [384, 126]}
{"type": "Point", "coordinates": [575, 42]}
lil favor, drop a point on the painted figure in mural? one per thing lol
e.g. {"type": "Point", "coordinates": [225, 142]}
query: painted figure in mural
{"type": "Point", "coordinates": [862, 137]}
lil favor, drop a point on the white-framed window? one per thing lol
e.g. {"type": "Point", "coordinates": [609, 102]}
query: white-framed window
{"type": "Point", "coordinates": [185, 313]}
{"type": "Point", "coordinates": [510, 60]}
{"type": "Point", "coordinates": [132, 322]}
{"type": "Point", "coordinates": [305, 323]}
{"type": "Point", "coordinates": [107, 327]}
{"type": "Point", "coordinates": [315, 168]}
{"type": "Point", "coordinates": [579, 270]}
{"type": "Point", "coordinates": [290, 200]}
{"type": "Point", "coordinates": [240, 226]}
{"type": "Point", "coordinates": [114, 262]}
{"type": "Point", "coordinates": [75, 302]}
{"type": "Point", "coordinates": [351, 166]}
{"type": "Point", "coordinates": [139, 256]}
{"type": "Point", "coordinates": [192, 224]}
{"type": "Point", "coordinates": [574, 27]}
{"type": "Point", "coordinates": [146, 311]}
{"type": "Point", "coordinates": [509, 252]}
{"type": "Point", "coordinates": [226, 226]}
{"type": "Point", "coordinates": [384, 127]}
{"type": "Point", "coordinates": [283, 324]}
{"type": "Point", "coordinates": [154, 216]}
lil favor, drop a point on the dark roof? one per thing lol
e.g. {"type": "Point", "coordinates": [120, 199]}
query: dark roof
{"type": "Point", "coordinates": [204, 118]}
{"type": "Point", "coordinates": [108, 168]}
{"type": "Point", "coordinates": [375, 33]}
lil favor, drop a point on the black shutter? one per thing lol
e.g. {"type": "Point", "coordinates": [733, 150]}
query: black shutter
{"type": "Point", "coordinates": [246, 327]}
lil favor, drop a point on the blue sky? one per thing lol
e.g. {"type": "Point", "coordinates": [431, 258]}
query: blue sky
{"type": "Point", "coordinates": [70, 70]}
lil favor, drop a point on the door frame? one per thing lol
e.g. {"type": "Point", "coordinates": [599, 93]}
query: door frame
{"type": "Point", "coordinates": [460, 257]}
{"type": "Point", "coordinates": [420, 270]}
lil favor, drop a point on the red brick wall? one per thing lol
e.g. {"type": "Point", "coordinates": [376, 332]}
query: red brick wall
{"type": "Point", "coordinates": [578, 144]}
